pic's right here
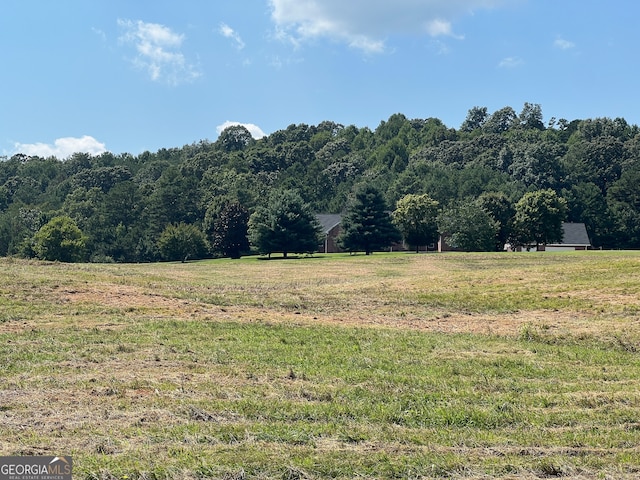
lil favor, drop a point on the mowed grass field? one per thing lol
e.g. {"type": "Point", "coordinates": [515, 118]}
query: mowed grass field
{"type": "Point", "coordinates": [335, 366]}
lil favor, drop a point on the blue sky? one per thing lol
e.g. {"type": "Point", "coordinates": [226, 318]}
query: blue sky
{"type": "Point", "coordinates": [130, 76]}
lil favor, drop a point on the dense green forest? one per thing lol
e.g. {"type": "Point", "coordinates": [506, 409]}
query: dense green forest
{"type": "Point", "coordinates": [122, 205]}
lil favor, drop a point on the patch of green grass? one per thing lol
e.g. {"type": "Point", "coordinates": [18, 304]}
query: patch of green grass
{"type": "Point", "coordinates": [377, 395]}
{"type": "Point", "coordinates": [136, 374]}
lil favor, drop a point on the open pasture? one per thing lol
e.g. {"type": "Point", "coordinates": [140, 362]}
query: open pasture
{"type": "Point", "coordinates": [385, 366]}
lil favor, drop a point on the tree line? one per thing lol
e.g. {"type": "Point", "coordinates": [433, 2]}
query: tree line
{"type": "Point", "coordinates": [218, 198]}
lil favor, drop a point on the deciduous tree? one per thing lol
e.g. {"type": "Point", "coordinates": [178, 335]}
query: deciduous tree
{"type": "Point", "coordinates": [501, 210]}
{"type": "Point", "coordinates": [60, 240]}
{"type": "Point", "coordinates": [476, 117]}
{"type": "Point", "coordinates": [531, 116]}
{"type": "Point", "coordinates": [230, 229]}
{"type": "Point", "coordinates": [467, 227]}
{"type": "Point", "coordinates": [501, 121]}
{"type": "Point", "coordinates": [234, 138]}
{"type": "Point", "coordinates": [182, 241]}
{"type": "Point", "coordinates": [538, 218]}
{"type": "Point", "coordinates": [416, 219]}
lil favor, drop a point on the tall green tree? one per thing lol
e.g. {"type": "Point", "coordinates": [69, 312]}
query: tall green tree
{"type": "Point", "coordinates": [586, 204]}
{"type": "Point", "coordinates": [367, 224]}
{"type": "Point", "coordinates": [416, 219]}
{"type": "Point", "coordinates": [19, 225]}
{"type": "Point", "coordinates": [235, 138]}
{"type": "Point", "coordinates": [229, 231]}
{"type": "Point", "coordinates": [531, 116]}
{"type": "Point", "coordinates": [501, 210]}
{"type": "Point", "coordinates": [537, 165]}
{"type": "Point", "coordinates": [598, 161]}
{"type": "Point", "coordinates": [624, 199]}
{"type": "Point", "coordinates": [61, 240]}
{"type": "Point", "coordinates": [476, 117]}
{"type": "Point", "coordinates": [175, 199]}
{"type": "Point", "coordinates": [182, 241]}
{"type": "Point", "coordinates": [538, 218]}
{"type": "Point", "coordinates": [501, 121]}
{"type": "Point", "coordinates": [286, 224]}
{"type": "Point", "coordinates": [466, 226]}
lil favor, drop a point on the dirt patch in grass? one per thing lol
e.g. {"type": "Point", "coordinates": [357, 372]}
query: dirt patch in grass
{"type": "Point", "coordinates": [133, 300]}
{"type": "Point", "coordinates": [120, 296]}
{"type": "Point", "coordinates": [98, 368]}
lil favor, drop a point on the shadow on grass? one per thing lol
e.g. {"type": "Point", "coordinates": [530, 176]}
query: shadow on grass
{"type": "Point", "coordinates": [291, 257]}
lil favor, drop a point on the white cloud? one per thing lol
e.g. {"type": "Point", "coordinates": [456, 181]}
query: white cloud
{"type": "Point", "coordinates": [158, 52]}
{"type": "Point", "coordinates": [511, 62]}
{"type": "Point", "coordinates": [255, 131]}
{"type": "Point", "coordinates": [228, 32]}
{"type": "Point", "coordinates": [563, 44]}
{"type": "Point", "coordinates": [62, 147]}
{"type": "Point", "coordinates": [438, 27]}
{"type": "Point", "coordinates": [365, 24]}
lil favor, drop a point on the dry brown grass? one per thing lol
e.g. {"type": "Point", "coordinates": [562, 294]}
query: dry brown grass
{"type": "Point", "coordinates": [365, 294]}
{"type": "Point", "coordinates": [121, 400]}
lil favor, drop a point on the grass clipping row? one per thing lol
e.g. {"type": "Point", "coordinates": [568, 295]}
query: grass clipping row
{"type": "Point", "coordinates": [337, 366]}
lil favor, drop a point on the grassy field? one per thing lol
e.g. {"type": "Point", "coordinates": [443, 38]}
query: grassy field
{"type": "Point", "coordinates": [388, 366]}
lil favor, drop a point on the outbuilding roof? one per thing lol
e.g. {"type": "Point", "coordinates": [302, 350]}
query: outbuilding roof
{"type": "Point", "coordinates": [575, 234]}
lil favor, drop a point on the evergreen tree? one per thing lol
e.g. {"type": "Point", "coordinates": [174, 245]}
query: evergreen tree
{"type": "Point", "coordinates": [122, 203]}
{"type": "Point", "coordinates": [367, 224]}
{"type": "Point", "coordinates": [285, 225]}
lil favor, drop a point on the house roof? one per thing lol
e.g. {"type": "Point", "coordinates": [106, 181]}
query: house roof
{"type": "Point", "coordinates": [328, 221]}
{"type": "Point", "coordinates": [575, 234]}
